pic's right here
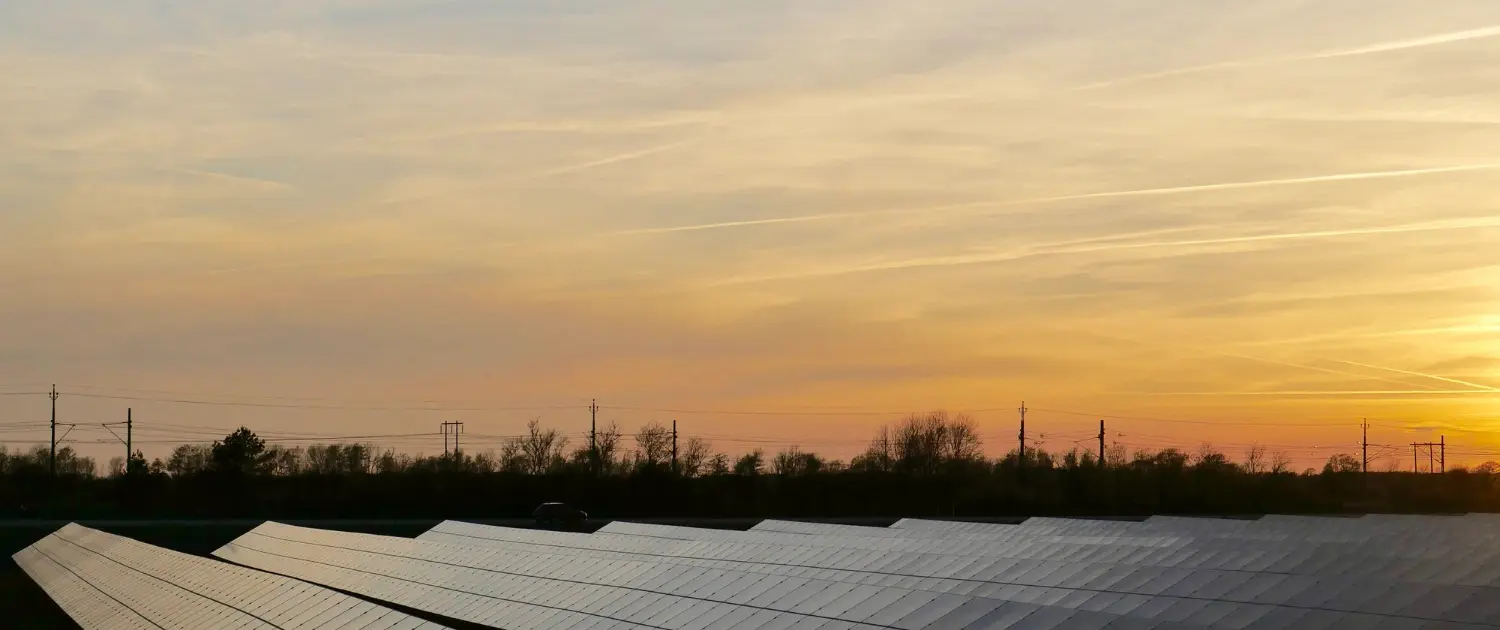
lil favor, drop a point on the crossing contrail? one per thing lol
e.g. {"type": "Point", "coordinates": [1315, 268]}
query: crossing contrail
{"type": "Point", "coordinates": [1404, 44]}
{"type": "Point", "coordinates": [1143, 192]}
{"type": "Point", "coordinates": [1323, 369]}
{"type": "Point", "coordinates": [1072, 247]}
{"type": "Point", "coordinates": [1431, 376]}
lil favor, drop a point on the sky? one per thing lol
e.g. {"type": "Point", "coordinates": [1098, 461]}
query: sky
{"type": "Point", "coordinates": [776, 222]}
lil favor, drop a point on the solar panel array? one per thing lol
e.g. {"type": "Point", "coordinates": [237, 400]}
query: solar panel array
{"type": "Point", "coordinates": [1273, 573]}
{"type": "Point", "coordinates": [1220, 583]}
{"type": "Point", "coordinates": [106, 582]}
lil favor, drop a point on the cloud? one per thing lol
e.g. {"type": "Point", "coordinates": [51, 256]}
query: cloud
{"type": "Point", "coordinates": [1077, 248]}
{"type": "Point", "coordinates": [1143, 192]}
{"type": "Point", "coordinates": [541, 201]}
{"type": "Point", "coordinates": [1444, 379]}
{"type": "Point", "coordinates": [1381, 47]}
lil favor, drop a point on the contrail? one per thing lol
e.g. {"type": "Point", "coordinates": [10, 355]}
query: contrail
{"type": "Point", "coordinates": [257, 182]}
{"type": "Point", "coordinates": [284, 265]}
{"type": "Point", "coordinates": [1066, 248]}
{"type": "Point", "coordinates": [1417, 42]}
{"type": "Point", "coordinates": [1221, 353]}
{"type": "Point", "coordinates": [1172, 190]}
{"type": "Point", "coordinates": [1405, 44]}
{"type": "Point", "coordinates": [1312, 392]}
{"type": "Point", "coordinates": [623, 157]}
{"type": "Point", "coordinates": [326, 262]}
{"type": "Point", "coordinates": [1445, 379]}
{"type": "Point", "coordinates": [1316, 179]}
{"type": "Point", "coordinates": [745, 223]}
{"type": "Point", "coordinates": [571, 168]}
{"type": "Point", "coordinates": [1323, 369]}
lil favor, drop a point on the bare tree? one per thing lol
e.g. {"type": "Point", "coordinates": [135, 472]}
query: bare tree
{"type": "Point", "coordinates": [879, 457]}
{"type": "Point", "coordinates": [960, 439]}
{"type": "Point", "coordinates": [189, 459]}
{"type": "Point", "coordinates": [695, 456]}
{"type": "Point", "coordinates": [1255, 459]}
{"type": "Point", "coordinates": [286, 462]}
{"type": "Point", "coordinates": [796, 462]}
{"type": "Point", "coordinates": [1209, 458]}
{"type": "Point", "coordinates": [607, 443]}
{"type": "Point", "coordinates": [542, 449]}
{"type": "Point", "coordinates": [653, 445]}
{"type": "Point", "coordinates": [1116, 455]}
{"type": "Point", "coordinates": [512, 458]}
{"type": "Point", "coordinates": [718, 464]}
{"type": "Point", "coordinates": [923, 444]}
{"type": "Point", "coordinates": [1281, 463]}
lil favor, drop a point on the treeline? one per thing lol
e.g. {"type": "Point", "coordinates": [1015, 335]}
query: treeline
{"type": "Point", "coordinates": [932, 464]}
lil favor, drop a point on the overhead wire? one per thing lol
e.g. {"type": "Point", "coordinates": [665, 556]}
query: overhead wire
{"type": "Point", "coordinates": [166, 432]}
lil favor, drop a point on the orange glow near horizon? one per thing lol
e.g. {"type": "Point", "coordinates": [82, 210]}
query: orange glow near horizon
{"type": "Point", "coordinates": [1218, 223]}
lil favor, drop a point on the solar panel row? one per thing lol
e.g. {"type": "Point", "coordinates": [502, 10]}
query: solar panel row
{"type": "Point", "coordinates": [1275, 573]}
{"type": "Point", "coordinates": [516, 589]}
{"type": "Point", "coordinates": [106, 582]}
{"type": "Point", "coordinates": [1243, 598]}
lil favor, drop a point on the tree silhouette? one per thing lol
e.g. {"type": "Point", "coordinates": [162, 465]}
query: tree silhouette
{"type": "Point", "coordinates": [653, 446]}
{"type": "Point", "coordinates": [1342, 463]}
{"type": "Point", "coordinates": [241, 452]}
{"type": "Point", "coordinates": [695, 457]}
{"type": "Point", "coordinates": [750, 464]}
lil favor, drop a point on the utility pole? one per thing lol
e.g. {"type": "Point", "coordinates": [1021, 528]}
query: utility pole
{"type": "Point", "coordinates": [1364, 443]}
{"type": "Point", "coordinates": [129, 425]}
{"type": "Point", "coordinates": [454, 429]}
{"type": "Point", "coordinates": [594, 434]}
{"type": "Point", "coordinates": [674, 446]}
{"type": "Point", "coordinates": [1101, 443]}
{"type": "Point", "coordinates": [1432, 455]}
{"type": "Point", "coordinates": [53, 396]}
{"type": "Point", "coordinates": [1021, 454]}
{"type": "Point", "coordinates": [1442, 453]}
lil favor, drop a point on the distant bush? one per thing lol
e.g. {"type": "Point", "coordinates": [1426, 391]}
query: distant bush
{"type": "Point", "coordinates": [926, 465]}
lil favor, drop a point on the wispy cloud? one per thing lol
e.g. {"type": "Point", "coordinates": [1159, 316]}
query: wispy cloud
{"type": "Point", "coordinates": [1388, 46]}
{"type": "Point", "coordinates": [1431, 376]}
{"type": "Point", "coordinates": [1315, 368]}
{"type": "Point", "coordinates": [686, 139]}
{"type": "Point", "coordinates": [1415, 42]}
{"type": "Point", "coordinates": [1071, 248]}
{"type": "Point", "coordinates": [1115, 194]}
{"type": "Point", "coordinates": [613, 159]}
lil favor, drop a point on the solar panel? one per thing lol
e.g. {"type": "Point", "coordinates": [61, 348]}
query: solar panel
{"type": "Point", "coordinates": [1443, 550]}
{"type": "Point", "coordinates": [545, 587]}
{"type": "Point", "coordinates": [106, 582]}
{"type": "Point", "coordinates": [1241, 593]}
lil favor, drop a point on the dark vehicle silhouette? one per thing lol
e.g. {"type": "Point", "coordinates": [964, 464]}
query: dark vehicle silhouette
{"type": "Point", "coordinates": [559, 515]}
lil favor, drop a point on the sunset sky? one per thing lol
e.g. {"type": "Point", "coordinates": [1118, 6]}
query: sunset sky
{"type": "Point", "coordinates": [1207, 221]}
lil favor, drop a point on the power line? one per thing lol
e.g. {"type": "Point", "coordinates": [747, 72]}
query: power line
{"type": "Point", "coordinates": [441, 405]}
{"type": "Point", "coordinates": [1180, 421]}
{"type": "Point", "coordinates": [229, 403]}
